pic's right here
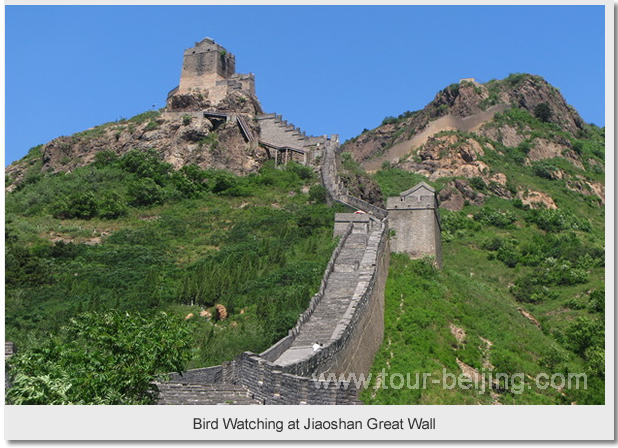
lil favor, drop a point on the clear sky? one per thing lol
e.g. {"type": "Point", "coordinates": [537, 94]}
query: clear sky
{"type": "Point", "coordinates": [329, 70]}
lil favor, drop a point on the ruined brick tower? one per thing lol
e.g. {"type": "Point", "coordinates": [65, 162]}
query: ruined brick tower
{"type": "Point", "coordinates": [205, 64]}
{"type": "Point", "coordinates": [414, 217]}
{"type": "Point", "coordinates": [209, 70]}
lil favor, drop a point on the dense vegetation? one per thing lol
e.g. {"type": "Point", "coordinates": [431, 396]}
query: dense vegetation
{"type": "Point", "coordinates": [130, 234]}
{"type": "Point", "coordinates": [101, 358]}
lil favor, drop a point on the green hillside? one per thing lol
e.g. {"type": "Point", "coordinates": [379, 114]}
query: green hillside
{"type": "Point", "coordinates": [172, 269]}
{"type": "Point", "coordinates": [132, 234]}
{"type": "Point", "coordinates": [504, 261]}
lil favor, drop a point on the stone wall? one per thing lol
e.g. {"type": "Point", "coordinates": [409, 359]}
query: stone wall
{"type": "Point", "coordinates": [209, 70]}
{"type": "Point", "coordinates": [369, 274]}
{"type": "Point", "coordinates": [204, 64]}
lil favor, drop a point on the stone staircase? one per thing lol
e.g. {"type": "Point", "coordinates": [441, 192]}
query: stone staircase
{"type": "Point", "coordinates": [279, 133]}
{"type": "Point", "coordinates": [205, 394]}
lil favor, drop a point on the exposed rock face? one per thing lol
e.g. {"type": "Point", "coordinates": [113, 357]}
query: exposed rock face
{"type": "Point", "coordinates": [456, 193]}
{"type": "Point", "coordinates": [465, 101]}
{"type": "Point", "coordinates": [448, 156]}
{"type": "Point", "coordinates": [534, 90]}
{"type": "Point", "coordinates": [450, 136]}
{"type": "Point", "coordinates": [536, 199]}
{"type": "Point", "coordinates": [235, 102]}
{"type": "Point", "coordinates": [363, 187]}
{"type": "Point", "coordinates": [461, 100]}
{"type": "Point", "coordinates": [180, 140]}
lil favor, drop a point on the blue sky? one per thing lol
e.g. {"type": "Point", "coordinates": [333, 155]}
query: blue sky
{"type": "Point", "coordinates": [329, 70]}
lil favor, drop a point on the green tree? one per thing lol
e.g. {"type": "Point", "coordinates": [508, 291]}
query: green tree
{"type": "Point", "coordinates": [78, 205]}
{"type": "Point", "coordinates": [317, 194]}
{"type": "Point", "coordinates": [144, 192]}
{"type": "Point", "coordinates": [542, 111]}
{"type": "Point", "coordinates": [585, 333]}
{"type": "Point", "coordinates": [100, 358]}
{"type": "Point", "coordinates": [112, 206]}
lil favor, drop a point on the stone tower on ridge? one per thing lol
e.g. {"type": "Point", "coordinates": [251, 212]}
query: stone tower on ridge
{"type": "Point", "coordinates": [209, 75]}
{"type": "Point", "coordinates": [205, 64]}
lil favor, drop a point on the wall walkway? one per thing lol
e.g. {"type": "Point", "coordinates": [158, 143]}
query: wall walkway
{"type": "Point", "coordinates": [346, 317]}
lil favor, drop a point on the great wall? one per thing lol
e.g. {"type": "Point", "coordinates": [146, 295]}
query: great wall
{"type": "Point", "coordinates": [343, 326]}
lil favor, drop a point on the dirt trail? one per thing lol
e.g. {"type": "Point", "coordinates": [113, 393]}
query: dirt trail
{"type": "Point", "coordinates": [446, 123]}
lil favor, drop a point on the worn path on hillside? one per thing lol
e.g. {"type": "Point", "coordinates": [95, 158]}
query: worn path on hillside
{"type": "Point", "coordinates": [446, 123]}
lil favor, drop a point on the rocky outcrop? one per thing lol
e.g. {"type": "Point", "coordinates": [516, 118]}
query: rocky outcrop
{"type": "Point", "coordinates": [180, 139]}
{"type": "Point", "coordinates": [457, 193]}
{"type": "Point", "coordinates": [452, 135]}
{"type": "Point", "coordinates": [461, 102]}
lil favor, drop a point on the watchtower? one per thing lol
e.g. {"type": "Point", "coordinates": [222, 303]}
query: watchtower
{"type": "Point", "coordinates": [414, 217]}
{"type": "Point", "coordinates": [205, 64]}
{"type": "Point", "coordinates": [209, 73]}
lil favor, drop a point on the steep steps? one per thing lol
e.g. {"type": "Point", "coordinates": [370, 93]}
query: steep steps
{"type": "Point", "coordinates": [278, 132]}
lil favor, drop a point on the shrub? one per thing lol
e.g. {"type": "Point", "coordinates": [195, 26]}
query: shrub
{"type": "Point", "coordinates": [597, 301]}
{"type": "Point", "coordinates": [508, 253]}
{"type": "Point", "coordinates": [453, 222]}
{"type": "Point", "coordinates": [302, 171]}
{"type": "Point", "coordinates": [105, 158]}
{"type": "Point", "coordinates": [478, 184]}
{"type": "Point", "coordinates": [112, 206]}
{"type": "Point", "coordinates": [35, 152]}
{"type": "Point", "coordinates": [386, 165]}
{"type": "Point", "coordinates": [78, 205]}
{"type": "Point", "coordinates": [530, 289]}
{"type": "Point", "coordinates": [211, 141]}
{"type": "Point", "coordinates": [111, 358]}
{"type": "Point", "coordinates": [585, 333]}
{"type": "Point", "coordinates": [495, 218]}
{"type": "Point", "coordinates": [145, 116]}
{"type": "Point", "coordinates": [151, 126]}
{"type": "Point", "coordinates": [144, 192]}
{"type": "Point", "coordinates": [146, 163]}
{"type": "Point", "coordinates": [317, 194]}
{"type": "Point", "coordinates": [554, 356]}
{"type": "Point", "coordinates": [223, 181]}
{"type": "Point", "coordinates": [515, 78]}
{"type": "Point", "coordinates": [557, 220]}
{"type": "Point", "coordinates": [545, 169]}
{"type": "Point", "coordinates": [492, 243]}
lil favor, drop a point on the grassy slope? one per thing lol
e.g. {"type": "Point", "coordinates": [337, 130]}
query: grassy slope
{"type": "Point", "coordinates": [254, 244]}
{"type": "Point", "coordinates": [482, 262]}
